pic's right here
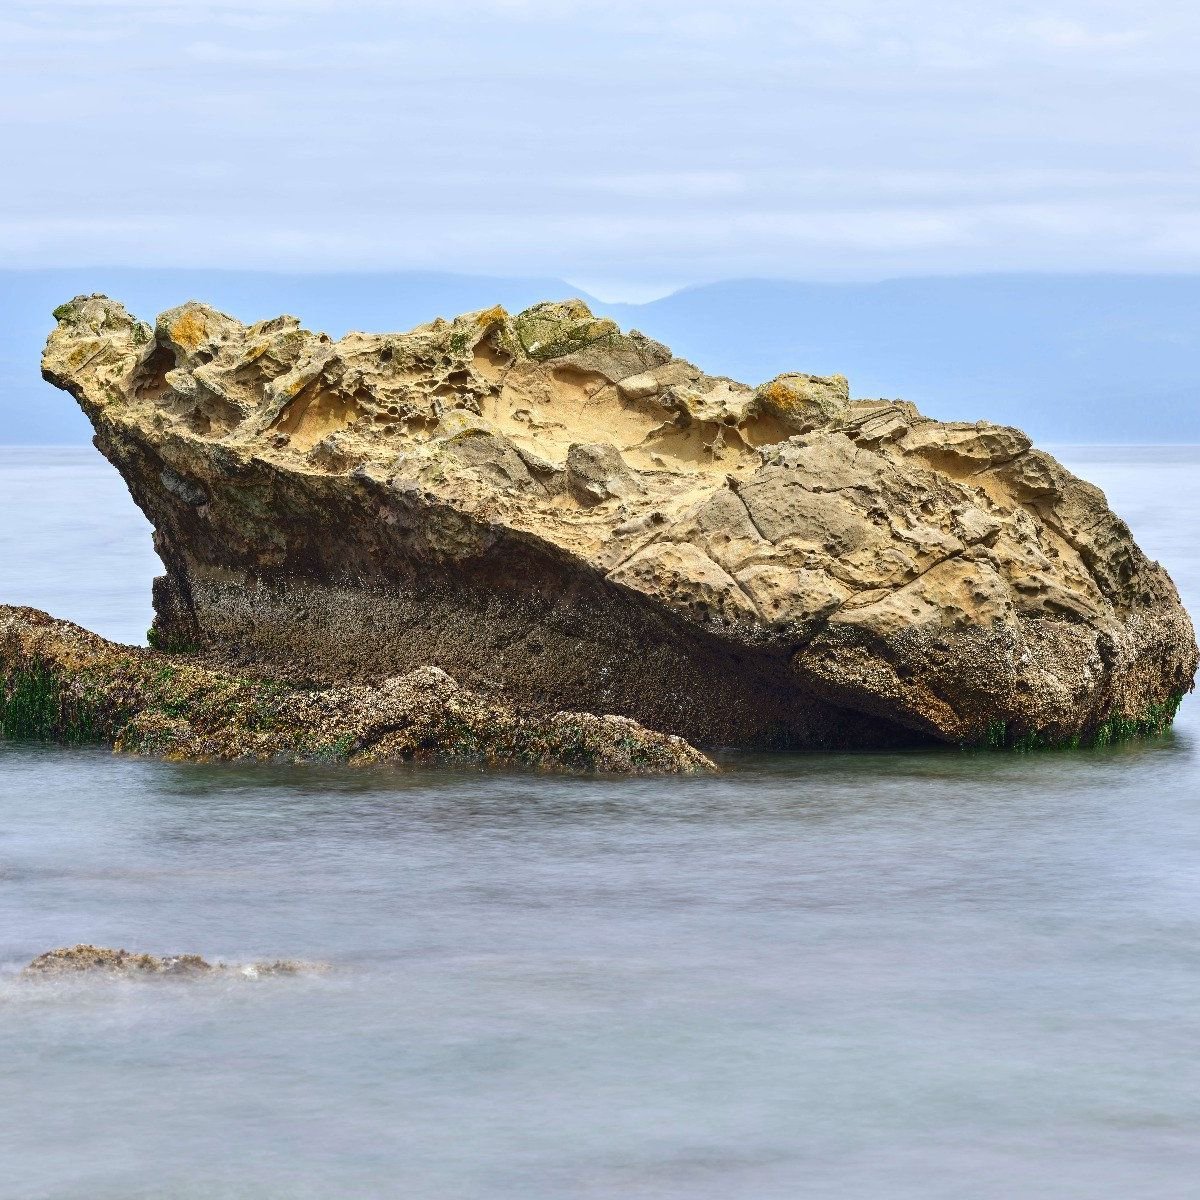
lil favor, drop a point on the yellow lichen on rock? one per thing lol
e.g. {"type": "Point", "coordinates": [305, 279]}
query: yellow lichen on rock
{"type": "Point", "coordinates": [189, 329]}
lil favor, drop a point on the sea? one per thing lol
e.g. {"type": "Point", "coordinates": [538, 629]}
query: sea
{"type": "Point", "coordinates": [906, 976]}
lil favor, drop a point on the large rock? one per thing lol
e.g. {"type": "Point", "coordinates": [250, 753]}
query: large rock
{"type": "Point", "coordinates": [547, 506]}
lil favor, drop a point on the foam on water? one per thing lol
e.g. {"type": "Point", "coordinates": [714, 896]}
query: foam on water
{"type": "Point", "coordinates": [876, 976]}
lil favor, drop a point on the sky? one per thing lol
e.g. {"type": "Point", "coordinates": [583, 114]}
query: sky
{"type": "Point", "coordinates": [628, 147]}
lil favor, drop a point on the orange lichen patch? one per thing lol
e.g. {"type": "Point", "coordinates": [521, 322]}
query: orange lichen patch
{"type": "Point", "coordinates": [778, 391]}
{"type": "Point", "coordinates": [295, 386]}
{"type": "Point", "coordinates": [492, 316]}
{"type": "Point", "coordinates": [780, 395]}
{"type": "Point", "coordinates": [189, 330]}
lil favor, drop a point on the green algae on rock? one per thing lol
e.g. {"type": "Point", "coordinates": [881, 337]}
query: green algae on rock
{"type": "Point", "coordinates": [59, 682]}
{"type": "Point", "coordinates": [550, 508]}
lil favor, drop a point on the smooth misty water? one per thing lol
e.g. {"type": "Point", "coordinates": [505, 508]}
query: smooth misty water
{"type": "Point", "coordinates": [922, 976]}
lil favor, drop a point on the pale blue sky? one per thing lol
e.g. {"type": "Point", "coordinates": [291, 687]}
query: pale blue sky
{"type": "Point", "coordinates": [628, 147]}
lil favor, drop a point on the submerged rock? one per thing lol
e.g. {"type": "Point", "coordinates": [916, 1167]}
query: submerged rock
{"type": "Point", "coordinates": [547, 506]}
{"type": "Point", "coordinates": [103, 960]}
{"type": "Point", "coordinates": [60, 682]}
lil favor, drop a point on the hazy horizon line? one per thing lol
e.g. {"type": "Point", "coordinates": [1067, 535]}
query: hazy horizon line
{"type": "Point", "coordinates": [645, 294]}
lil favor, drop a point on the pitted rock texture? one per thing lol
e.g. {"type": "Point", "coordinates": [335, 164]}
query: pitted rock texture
{"type": "Point", "coordinates": [547, 506]}
{"type": "Point", "coordinates": [61, 683]}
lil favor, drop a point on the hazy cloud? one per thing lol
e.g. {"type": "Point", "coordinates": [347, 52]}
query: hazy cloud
{"type": "Point", "coordinates": [631, 146]}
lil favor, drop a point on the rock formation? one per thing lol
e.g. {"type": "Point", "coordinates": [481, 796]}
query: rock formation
{"type": "Point", "coordinates": [85, 959]}
{"type": "Point", "coordinates": [58, 682]}
{"type": "Point", "coordinates": [552, 509]}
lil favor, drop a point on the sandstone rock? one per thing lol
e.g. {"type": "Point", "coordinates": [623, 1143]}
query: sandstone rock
{"type": "Point", "coordinates": [805, 402]}
{"type": "Point", "coordinates": [547, 506]}
{"type": "Point", "coordinates": [60, 682]}
{"type": "Point", "coordinates": [639, 387]}
{"type": "Point", "coordinates": [596, 473]}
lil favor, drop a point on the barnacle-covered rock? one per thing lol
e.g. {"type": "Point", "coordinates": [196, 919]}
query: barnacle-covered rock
{"type": "Point", "coordinates": [59, 682]}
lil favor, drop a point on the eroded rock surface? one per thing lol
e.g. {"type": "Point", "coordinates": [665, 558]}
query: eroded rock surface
{"type": "Point", "coordinates": [59, 682]}
{"type": "Point", "coordinates": [544, 505]}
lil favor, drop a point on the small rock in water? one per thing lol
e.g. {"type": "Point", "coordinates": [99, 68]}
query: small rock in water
{"type": "Point", "coordinates": [104, 960]}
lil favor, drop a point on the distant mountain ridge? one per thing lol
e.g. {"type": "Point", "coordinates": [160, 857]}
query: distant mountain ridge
{"type": "Point", "coordinates": [1079, 358]}
{"type": "Point", "coordinates": [1101, 358]}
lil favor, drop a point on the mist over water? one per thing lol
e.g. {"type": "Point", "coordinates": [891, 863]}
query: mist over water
{"type": "Point", "coordinates": [921, 976]}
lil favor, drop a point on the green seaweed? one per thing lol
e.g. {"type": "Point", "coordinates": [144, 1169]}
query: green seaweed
{"type": "Point", "coordinates": [1156, 719]}
{"type": "Point", "coordinates": [1153, 721]}
{"type": "Point", "coordinates": [332, 752]}
{"type": "Point", "coordinates": [37, 705]}
{"type": "Point", "coordinates": [174, 706]}
{"type": "Point", "coordinates": [166, 643]}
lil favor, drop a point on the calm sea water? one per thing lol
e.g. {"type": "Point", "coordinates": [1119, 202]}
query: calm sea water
{"type": "Point", "coordinates": [879, 977]}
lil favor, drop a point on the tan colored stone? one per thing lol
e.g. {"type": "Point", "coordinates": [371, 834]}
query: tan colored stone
{"type": "Point", "coordinates": [547, 506]}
